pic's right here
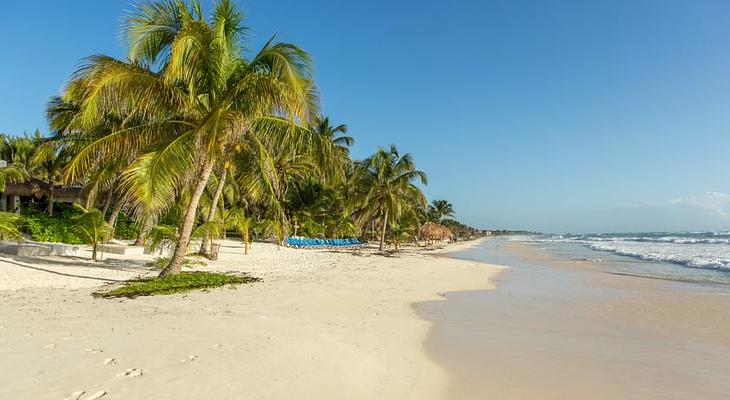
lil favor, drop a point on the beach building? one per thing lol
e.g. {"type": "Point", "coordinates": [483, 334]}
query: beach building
{"type": "Point", "coordinates": [36, 190]}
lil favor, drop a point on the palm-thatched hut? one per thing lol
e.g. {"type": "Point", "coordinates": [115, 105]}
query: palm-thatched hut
{"type": "Point", "coordinates": [432, 232]}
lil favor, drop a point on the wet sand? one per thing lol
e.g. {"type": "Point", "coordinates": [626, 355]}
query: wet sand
{"type": "Point", "coordinates": [556, 329]}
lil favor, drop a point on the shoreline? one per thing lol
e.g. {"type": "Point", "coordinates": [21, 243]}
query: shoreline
{"type": "Point", "coordinates": [321, 324]}
{"type": "Point", "coordinates": [570, 329]}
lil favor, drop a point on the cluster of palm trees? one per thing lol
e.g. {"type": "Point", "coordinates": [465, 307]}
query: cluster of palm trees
{"type": "Point", "coordinates": [193, 138]}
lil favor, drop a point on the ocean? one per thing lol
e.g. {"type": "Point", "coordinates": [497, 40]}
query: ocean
{"type": "Point", "coordinates": [687, 256]}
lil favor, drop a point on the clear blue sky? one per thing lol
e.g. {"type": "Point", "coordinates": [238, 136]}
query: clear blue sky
{"type": "Point", "coordinates": [548, 115]}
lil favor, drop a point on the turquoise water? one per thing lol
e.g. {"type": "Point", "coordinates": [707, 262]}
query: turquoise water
{"type": "Point", "coordinates": [702, 257]}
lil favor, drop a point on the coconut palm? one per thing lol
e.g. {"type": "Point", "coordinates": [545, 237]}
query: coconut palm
{"type": "Point", "coordinates": [333, 160]}
{"type": "Point", "coordinates": [20, 150]}
{"type": "Point", "coordinates": [10, 174]}
{"type": "Point", "coordinates": [193, 95]}
{"type": "Point", "coordinates": [337, 134]}
{"type": "Point", "coordinates": [388, 191]}
{"type": "Point", "coordinates": [105, 176]}
{"type": "Point", "coordinates": [237, 219]}
{"type": "Point", "coordinates": [439, 209]}
{"type": "Point", "coordinates": [50, 158]}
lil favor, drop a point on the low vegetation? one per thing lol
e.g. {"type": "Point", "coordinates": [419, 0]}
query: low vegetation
{"type": "Point", "coordinates": [171, 284]}
{"type": "Point", "coordinates": [56, 229]}
{"type": "Point", "coordinates": [9, 223]}
{"type": "Point", "coordinates": [161, 263]}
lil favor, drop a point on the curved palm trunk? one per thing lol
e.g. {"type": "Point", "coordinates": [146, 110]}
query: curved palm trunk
{"type": "Point", "coordinates": [186, 229]}
{"type": "Point", "coordinates": [214, 208]}
{"type": "Point", "coordinates": [91, 197]}
{"type": "Point", "coordinates": [113, 217]}
{"type": "Point", "coordinates": [382, 233]}
{"type": "Point", "coordinates": [245, 241]}
{"type": "Point", "coordinates": [142, 235]}
{"type": "Point", "coordinates": [107, 203]}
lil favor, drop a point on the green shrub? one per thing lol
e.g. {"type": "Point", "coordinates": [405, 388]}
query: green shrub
{"type": "Point", "coordinates": [125, 227]}
{"type": "Point", "coordinates": [58, 229]}
{"type": "Point", "coordinates": [182, 282]}
{"type": "Point", "coordinates": [162, 262]}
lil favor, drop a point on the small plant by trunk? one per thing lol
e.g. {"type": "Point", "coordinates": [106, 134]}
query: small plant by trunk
{"type": "Point", "coordinates": [90, 226]}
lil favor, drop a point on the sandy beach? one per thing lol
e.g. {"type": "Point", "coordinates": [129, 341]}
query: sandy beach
{"type": "Point", "coordinates": [320, 325]}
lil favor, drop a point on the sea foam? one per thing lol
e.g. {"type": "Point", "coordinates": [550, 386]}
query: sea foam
{"type": "Point", "coordinates": [705, 250]}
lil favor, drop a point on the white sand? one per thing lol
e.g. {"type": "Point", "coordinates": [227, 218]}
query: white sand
{"type": "Point", "coordinates": [321, 325]}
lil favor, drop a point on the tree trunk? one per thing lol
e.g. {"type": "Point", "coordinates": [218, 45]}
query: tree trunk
{"type": "Point", "coordinates": [93, 252]}
{"type": "Point", "coordinates": [51, 198]}
{"type": "Point", "coordinates": [142, 235]}
{"type": "Point", "coordinates": [91, 196]}
{"type": "Point", "coordinates": [382, 234]}
{"type": "Point", "coordinates": [214, 208]}
{"type": "Point", "coordinates": [113, 217]}
{"type": "Point", "coordinates": [186, 229]}
{"type": "Point", "coordinates": [107, 203]}
{"type": "Point", "coordinates": [245, 241]}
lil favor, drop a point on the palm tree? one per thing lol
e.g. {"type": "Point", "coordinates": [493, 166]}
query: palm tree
{"type": "Point", "coordinates": [194, 96]}
{"type": "Point", "coordinates": [20, 151]}
{"type": "Point", "coordinates": [91, 226]}
{"type": "Point", "coordinates": [105, 176]}
{"type": "Point", "coordinates": [10, 174]}
{"type": "Point", "coordinates": [387, 179]}
{"type": "Point", "coordinates": [49, 158]}
{"type": "Point", "coordinates": [333, 160]}
{"type": "Point", "coordinates": [439, 209]}
{"type": "Point", "coordinates": [337, 134]}
{"type": "Point", "coordinates": [237, 219]}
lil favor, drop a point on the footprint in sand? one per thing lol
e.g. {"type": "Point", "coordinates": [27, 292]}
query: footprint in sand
{"type": "Point", "coordinates": [97, 395]}
{"type": "Point", "coordinates": [132, 373]}
{"type": "Point", "coordinates": [94, 351]}
{"type": "Point", "coordinates": [50, 346]}
{"type": "Point", "coordinates": [77, 395]}
{"type": "Point", "coordinates": [110, 361]}
{"type": "Point", "coordinates": [190, 358]}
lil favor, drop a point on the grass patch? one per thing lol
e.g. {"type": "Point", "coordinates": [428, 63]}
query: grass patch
{"type": "Point", "coordinates": [162, 262]}
{"type": "Point", "coordinates": [180, 283]}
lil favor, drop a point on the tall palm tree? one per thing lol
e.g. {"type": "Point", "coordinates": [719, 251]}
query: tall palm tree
{"type": "Point", "coordinates": [439, 209]}
{"type": "Point", "coordinates": [49, 159]}
{"type": "Point", "coordinates": [194, 94]}
{"type": "Point", "coordinates": [389, 191]}
{"type": "Point", "coordinates": [337, 134]}
{"type": "Point", "coordinates": [10, 174]}
{"type": "Point", "coordinates": [333, 160]}
{"type": "Point", "coordinates": [105, 176]}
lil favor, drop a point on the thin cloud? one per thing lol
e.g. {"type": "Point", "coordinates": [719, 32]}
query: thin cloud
{"type": "Point", "coordinates": [716, 203]}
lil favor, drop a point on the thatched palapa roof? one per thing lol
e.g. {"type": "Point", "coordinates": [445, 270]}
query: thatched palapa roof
{"type": "Point", "coordinates": [38, 188]}
{"type": "Point", "coordinates": [431, 230]}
